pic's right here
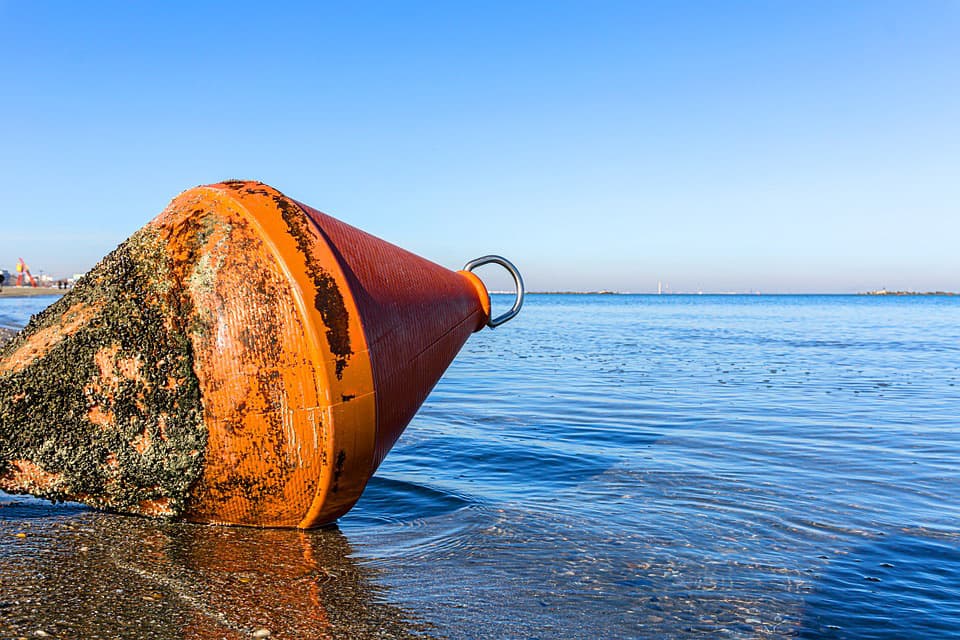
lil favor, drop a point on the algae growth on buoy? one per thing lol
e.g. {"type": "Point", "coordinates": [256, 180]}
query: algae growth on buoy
{"type": "Point", "coordinates": [241, 359]}
{"type": "Point", "coordinates": [99, 402]}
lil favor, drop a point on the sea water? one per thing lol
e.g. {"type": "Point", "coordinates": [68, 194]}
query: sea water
{"type": "Point", "coordinates": [604, 466]}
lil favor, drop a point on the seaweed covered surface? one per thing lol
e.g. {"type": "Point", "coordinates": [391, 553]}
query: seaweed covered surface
{"type": "Point", "coordinates": [98, 399]}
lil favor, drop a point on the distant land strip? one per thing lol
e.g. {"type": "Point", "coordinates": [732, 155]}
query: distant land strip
{"type": "Point", "coordinates": [884, 292]}
{"type": "Point", "coordinates": [568, 293]}
{"type": "Point", "coordinates": [879, 292]}
{"type": "Point", "coordinates": [26, 292]}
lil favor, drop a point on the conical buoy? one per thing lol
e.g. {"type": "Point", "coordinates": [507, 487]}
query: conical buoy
{"type": "Point", "coordinates": [241, 359]}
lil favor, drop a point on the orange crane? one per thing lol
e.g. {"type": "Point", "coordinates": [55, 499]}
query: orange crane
{"type": "Point", "coordinates": [22, 268]}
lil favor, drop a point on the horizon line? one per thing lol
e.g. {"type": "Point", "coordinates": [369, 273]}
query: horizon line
{"type": "Point", "coordinates": [876, 293]}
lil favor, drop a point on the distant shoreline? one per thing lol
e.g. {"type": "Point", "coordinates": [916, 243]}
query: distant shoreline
{"type": "Point", "coordinates": [28, 292]}
{"type": "Point", "coordinates": [732, 293]}
{"type": "Point", "coordinates": [884, 292]}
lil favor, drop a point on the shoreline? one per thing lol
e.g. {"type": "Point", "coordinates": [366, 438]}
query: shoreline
{"type": "Point", "coordinates": [29, 292]}
{"type": "Point", "coordinates": [728, 293]}
{"type": "Point", "coordinates": [884, 292]}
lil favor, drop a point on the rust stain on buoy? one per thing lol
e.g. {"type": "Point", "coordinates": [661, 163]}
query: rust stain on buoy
{"type": "Point", "coordinates": [241, 359]}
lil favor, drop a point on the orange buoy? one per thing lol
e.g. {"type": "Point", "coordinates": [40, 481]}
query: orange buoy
{"type": "Point", "coordinates": [241, 359]}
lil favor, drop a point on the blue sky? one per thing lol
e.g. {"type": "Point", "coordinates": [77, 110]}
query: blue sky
{"type": "Point", "coordinates": [716, 146]}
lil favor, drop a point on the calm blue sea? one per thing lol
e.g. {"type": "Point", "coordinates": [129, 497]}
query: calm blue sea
{"type": "Point", "coordinates": [612, 466]}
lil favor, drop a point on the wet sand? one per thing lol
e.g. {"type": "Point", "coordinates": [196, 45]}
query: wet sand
{"type": "Point", "coordinates": [71, 572]}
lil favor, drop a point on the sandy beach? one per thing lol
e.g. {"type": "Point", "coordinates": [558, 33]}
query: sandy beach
{"type": "Point", "coordinates": [25, 292]}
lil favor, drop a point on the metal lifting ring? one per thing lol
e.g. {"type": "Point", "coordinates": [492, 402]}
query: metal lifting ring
{"type": "Point", "coordinates": [506, 264]}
